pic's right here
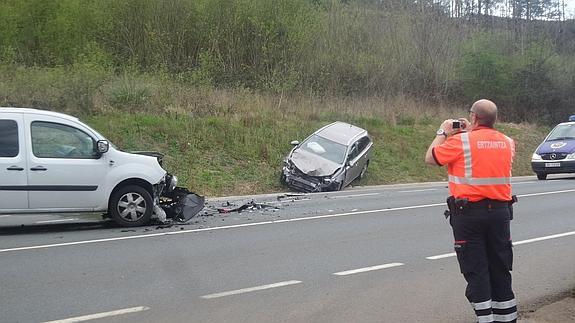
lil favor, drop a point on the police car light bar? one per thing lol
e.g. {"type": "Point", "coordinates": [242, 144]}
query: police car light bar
{"type": "Point", "coordinates": [572, 118]}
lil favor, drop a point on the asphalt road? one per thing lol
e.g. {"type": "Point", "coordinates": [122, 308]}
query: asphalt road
{"type": "Point", "coordinates": [367, 254]}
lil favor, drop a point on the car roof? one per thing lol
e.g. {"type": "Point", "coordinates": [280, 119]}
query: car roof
{"type": "Point", "coordinates": [341, 132]}
{"type": "Point", "coordinates": [38, 112]}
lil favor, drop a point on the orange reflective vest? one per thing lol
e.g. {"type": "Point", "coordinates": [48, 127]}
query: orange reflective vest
{"type": "Point", "coordinates": [478, 164]}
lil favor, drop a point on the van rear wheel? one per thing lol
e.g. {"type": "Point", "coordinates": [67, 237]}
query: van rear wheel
{"type": "Point", "coordinates": [131, 206]}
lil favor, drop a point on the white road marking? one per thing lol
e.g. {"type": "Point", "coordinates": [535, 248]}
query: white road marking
{"type": "Point", "coordinates": [520, 183]}
{"type": "Point", "coordinates": [102, 315]}
{"type": "Point", "coordinates": [251, 224]}
{"type": "Point", "coordinates": [423, 190]}
{"type": "Point", "coordinates": [251, 289]}
{"type": "Point", "coordinates": [353, 195]}
{"type": "Point", "coordinates": [362, 270]}
{"type": "Point", "coordinates": [5, 216]}
{"type": "Point", "coordinates": [554, 236]}
{"type": "Point", "coordinates": [221, 228]}
{"type": "Point", "coordinates": [446, 255]}
{"type": "Point", "coordinates": [55, 221]}
{"type": "Point", "coordinates": [546, 193]}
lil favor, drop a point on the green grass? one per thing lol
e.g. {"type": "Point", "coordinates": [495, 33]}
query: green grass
{"type": "Point", "coordinates": [219, 156]}
{"type": "Point", "coordinates": [232, 141]}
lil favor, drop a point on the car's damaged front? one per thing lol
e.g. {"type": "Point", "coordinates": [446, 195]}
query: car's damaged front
{"type": "Point", "coordinates": [316, 165]}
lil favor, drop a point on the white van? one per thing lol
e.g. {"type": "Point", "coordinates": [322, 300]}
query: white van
{"type": "Point", "coordinates": [53, 163]}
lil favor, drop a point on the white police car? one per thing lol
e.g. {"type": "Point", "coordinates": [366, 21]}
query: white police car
{"type": "Point", "coordinates": [556, 154]}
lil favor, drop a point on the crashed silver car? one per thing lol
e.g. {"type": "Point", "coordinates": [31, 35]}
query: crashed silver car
{"type": "Point", "coordinates": [328, 160]}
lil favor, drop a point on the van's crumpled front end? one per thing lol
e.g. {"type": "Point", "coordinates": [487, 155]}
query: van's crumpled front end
{"type": "Point", "coordinates": [300, 181]}
{"type": "Point", "coordinates": [171, 201]}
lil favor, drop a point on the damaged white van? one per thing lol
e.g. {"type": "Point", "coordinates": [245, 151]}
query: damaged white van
{"type": "Point", "coordinates": [54, 163]}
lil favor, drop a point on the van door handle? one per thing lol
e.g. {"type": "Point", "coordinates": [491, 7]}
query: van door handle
{"type": "Point", "coordinates": [15, 168]}
{"type": "Point", "coordinates": [39, 168]}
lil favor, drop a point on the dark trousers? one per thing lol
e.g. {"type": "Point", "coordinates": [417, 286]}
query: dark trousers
{"type": "Point", "coordinates": [485, 256]}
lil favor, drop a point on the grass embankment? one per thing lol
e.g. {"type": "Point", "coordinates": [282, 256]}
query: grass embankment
{"type": "Point", "coordinates": [239, 149]}
{"type": "Point", "coordinates": [228, 142]}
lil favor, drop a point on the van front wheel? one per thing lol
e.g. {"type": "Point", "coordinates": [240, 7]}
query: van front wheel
{"type": "Point", "coordinates": [131, 206]}
{"type": "Point", "coordinates": [541, 176]}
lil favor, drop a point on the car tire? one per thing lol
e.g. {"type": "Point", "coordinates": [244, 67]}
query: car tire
{"type": "Point", "coordinates": [131, 206]}
{"type": "Point", "coordinates": [541, 176]}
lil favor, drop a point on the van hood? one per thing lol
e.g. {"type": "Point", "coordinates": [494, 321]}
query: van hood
{"type": "Point", "coordinates": [159, 156]}
{"type": "Point", "coordinates": [313, 165]}
{"type": "Point", "coordinates": [557, 146]}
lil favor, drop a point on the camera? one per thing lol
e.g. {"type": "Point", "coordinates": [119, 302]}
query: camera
{"type": "Point", "coordinates": [458, 125]}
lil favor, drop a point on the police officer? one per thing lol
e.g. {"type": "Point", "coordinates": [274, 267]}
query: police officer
{"type": "Point", "coordinates": [478, 160]}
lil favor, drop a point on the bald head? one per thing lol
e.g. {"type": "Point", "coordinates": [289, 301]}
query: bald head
{"type": "Point", "coordinates": [485, 112]}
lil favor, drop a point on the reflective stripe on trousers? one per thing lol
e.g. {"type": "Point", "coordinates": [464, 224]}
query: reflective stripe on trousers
{"type": "Point", "coordinates": [493, 311]}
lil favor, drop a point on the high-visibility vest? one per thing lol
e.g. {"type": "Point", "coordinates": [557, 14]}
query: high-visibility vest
{"type": "Point", "coordinates": [478, 164]}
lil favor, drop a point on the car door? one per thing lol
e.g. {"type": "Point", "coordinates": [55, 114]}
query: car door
{"type": "Point", "coordinates": [352, 168]}
{"type": "Point", "coordinates": [65, 173]}
{"type": "Point", "coordinates": [13, 180]}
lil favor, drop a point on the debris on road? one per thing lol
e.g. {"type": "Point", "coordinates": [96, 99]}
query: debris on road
{"type": "Point", "coordinates": [250, 206]}
{"type": "Point", "coordinates": [182, 204]}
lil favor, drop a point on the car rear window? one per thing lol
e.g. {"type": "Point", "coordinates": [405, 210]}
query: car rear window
{"type": "Point", "coordinates": [8, 138]}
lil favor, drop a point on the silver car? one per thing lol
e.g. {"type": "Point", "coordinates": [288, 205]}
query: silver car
{"type": "Point", "coordinates": [328, 160]}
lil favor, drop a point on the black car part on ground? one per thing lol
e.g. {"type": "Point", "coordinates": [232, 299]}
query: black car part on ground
{"type": "Point", "coordinates": [250, 206]}
{"type": "Point", "coordinates": [181, 204]}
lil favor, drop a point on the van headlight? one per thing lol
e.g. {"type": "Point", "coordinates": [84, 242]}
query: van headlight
{"type": "Point", "coordinates": [570, 156]}
{"type": "Point", "coordinates": [536, 157]}
{"type": "Point", "coordinates": [172, 183]}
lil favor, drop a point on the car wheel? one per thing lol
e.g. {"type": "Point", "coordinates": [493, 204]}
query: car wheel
{"type": "Point", "coordinates": [131, 206]}
{"type": "Point", "coordinates": [541, 176]}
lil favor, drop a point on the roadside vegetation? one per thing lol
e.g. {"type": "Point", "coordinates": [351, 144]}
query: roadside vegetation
{"type": "Point", "coordinates": [232, 141]}
{"type": "Point", "coordinates": [221, 87]}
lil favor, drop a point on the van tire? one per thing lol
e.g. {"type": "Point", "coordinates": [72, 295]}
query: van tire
{"type": "Point", "coordinates": [131, 206]}
{"type": "Point", "coordinates": [541, 176]}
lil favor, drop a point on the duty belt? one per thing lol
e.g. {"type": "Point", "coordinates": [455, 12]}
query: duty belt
{"type": "Point", "coordinates": [488, 204]}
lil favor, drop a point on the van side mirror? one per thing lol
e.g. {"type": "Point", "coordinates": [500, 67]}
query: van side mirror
{"type": "Point", "coordinates": [102, 146]}
{"type": "Point", "coordinates": [294, 143]}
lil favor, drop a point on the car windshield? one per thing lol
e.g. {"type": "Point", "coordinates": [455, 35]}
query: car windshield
{"type": "Point", "coordinates": [562, 132]}
{"type": "Point", "coordinates": [325, 148]}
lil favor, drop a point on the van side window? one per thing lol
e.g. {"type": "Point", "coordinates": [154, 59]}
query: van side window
{"type": "Point", "coordinates": [53, 140]}
{"type": "Point", "coordinates": [9, 138]}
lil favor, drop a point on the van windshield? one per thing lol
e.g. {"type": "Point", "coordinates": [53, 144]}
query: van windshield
{"type": "Point", "coordinates": [562, 132]}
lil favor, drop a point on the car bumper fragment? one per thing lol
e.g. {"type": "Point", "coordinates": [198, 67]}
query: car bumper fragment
{"type": "Point", "coordinates": [182, 204]}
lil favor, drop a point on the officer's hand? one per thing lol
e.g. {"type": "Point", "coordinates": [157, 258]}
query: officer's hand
{"type": "Point", "coordinates": [447, 126]}
{"type": "Point", "coordinates": [465, 124]}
